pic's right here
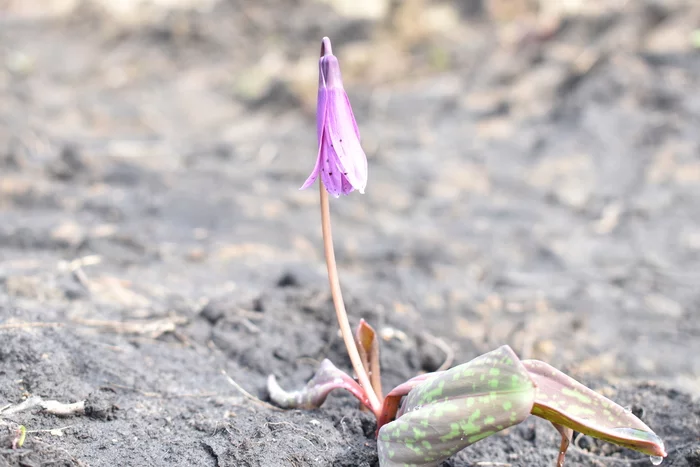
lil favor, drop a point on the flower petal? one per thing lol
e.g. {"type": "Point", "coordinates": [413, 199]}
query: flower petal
{"type": "Point", "coordinates": [341, 129]}
{"type": "Point", "coordinates": [331, 176]}
{"type": "Point", "coordinates": [314, 173]}
{"type": "Point", "coordinates": [347, 187]}
{"type": "Point", "coordinates": [321, 103]}
{"type": "Point", "coordinates": [341, 162]}
{"type": "Point", "coordinates": [321, 109]}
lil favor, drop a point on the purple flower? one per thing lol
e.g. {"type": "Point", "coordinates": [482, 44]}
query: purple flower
{"type": "Point", "coordinates": [341, 161]}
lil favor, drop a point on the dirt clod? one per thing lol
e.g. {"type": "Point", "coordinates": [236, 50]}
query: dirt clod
{"type": "Point", "coordinates": [533, 182]}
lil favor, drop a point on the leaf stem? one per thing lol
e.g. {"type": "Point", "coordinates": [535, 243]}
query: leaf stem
{"type": "Point", "coordinates": [339, 305]}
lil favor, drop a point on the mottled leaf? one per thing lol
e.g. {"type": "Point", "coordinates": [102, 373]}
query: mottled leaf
{"type": "Point", "coordinates": [452, 409]}
{"type": "Point", "coordinates": [392, 401]}
{"type": "Point", "coordinates": [564, 401]}
{"type": "Point", "coordinates": [314, 394]}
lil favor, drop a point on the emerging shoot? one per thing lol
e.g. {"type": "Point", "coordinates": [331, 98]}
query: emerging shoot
{"type": "Point", "coordinates": [432, 416]}
{"type": "Point", "coordinates": [342, 164]}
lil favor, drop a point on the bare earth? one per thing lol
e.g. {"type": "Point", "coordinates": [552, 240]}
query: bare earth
{"type": "Point", "coordinates": [531, 183]}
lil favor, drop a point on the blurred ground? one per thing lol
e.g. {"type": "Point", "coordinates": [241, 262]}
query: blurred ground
{"type": "Point", "coordinates": [534, 181]}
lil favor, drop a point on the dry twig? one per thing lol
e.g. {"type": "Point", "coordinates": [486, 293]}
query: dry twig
{"type": "Point", "coordinates": [153, 328]}
{"type": "Point", "coordinates": [51, 407]}
{"type": "Point", "coordinates": [248, 395]}
{"type": "Point", "coordinates": [26, 325]}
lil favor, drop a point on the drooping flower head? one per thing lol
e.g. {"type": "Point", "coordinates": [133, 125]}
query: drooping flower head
{"type": "Point", "coordinates": [341, 162]}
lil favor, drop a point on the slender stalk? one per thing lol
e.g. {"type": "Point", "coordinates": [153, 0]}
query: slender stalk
{"type": "Point", "coordinates": [339, 305]}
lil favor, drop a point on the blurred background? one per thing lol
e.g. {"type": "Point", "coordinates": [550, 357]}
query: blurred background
{"type": "Point", "coordinates": [534, 165]}
{"type": "Point", "coordinates": [534, 180]}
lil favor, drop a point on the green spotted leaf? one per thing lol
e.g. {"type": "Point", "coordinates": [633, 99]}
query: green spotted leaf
{"type": "Point", "coordinates": [455, 408]}
{"type": "Point", "coordinates": [392, 401]}
{"type": "Point", "coordinates": [564, 401]}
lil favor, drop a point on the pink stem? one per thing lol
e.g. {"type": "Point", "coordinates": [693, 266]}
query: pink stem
{"type": "Point", "coordinates": [339, 305]}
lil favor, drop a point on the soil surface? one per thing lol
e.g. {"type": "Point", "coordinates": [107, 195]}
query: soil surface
{"type": "Point", "coordinates": [533, 182]}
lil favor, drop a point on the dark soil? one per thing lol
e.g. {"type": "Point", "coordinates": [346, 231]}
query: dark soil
{"type": "Point", "coordinates": [540, 192]}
